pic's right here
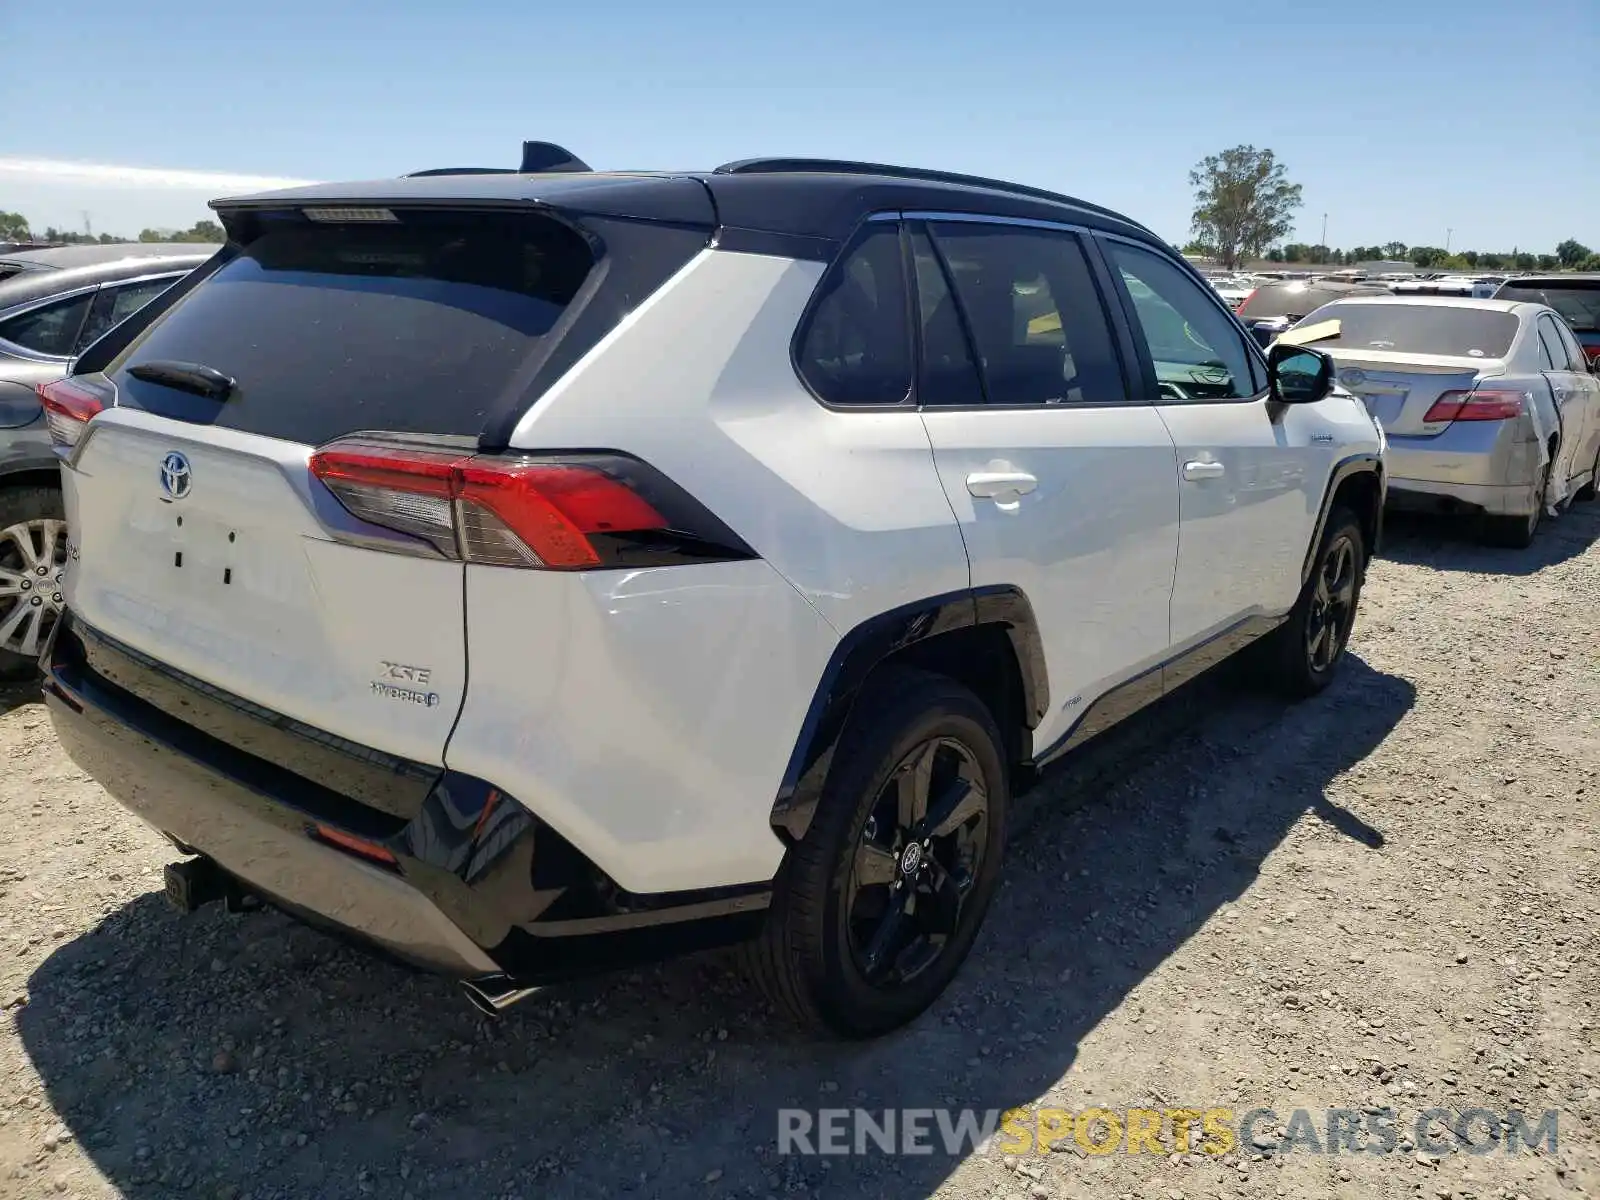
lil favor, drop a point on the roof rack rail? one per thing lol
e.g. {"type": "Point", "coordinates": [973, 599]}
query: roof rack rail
{"type": "Point", "coordinates": [831, 166]}
{"type": "Point", "coordinates": [538, 158]}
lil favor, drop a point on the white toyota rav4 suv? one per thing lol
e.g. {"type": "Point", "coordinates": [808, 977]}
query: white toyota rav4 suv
{"type": "Point", "coordinates": [540, 572]}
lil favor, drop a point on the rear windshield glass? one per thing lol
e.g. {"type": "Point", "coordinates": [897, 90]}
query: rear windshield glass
{"type": "Point", "coordinates": [1579, 304]}
{"type": "Point", "coordinates": [1292, 300]}
{"type": "Point", "coordinates": [1419, 329]}
{"type": "Point", "coordinates": [417, 325]}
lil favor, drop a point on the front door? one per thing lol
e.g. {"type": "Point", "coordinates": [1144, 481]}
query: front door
{"type": "Point", "coordinates": [1250, 472]}
{"type": "Point", "coordinates": [1061, 485]}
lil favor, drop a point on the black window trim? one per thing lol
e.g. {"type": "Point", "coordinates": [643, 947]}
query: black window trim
{"type": "Point", "coordinates": [963, 320]}
{"type": "Point", "coordinates": [1147, 365]}
{"type": "Point", "coordinates": [18, 350]}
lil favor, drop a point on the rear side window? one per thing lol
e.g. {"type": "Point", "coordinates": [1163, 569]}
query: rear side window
{"type": "Point", "coordinates": [1555, 350]}
{"type": "Point", "coordinates": [855, 346]}
{"type": "Point", "coordinates": [115, 303]}
{"type": "Point", "coordinates": [1035, 314]}
{"type": "Point", "coordinates": [1419, 329]}
{"type": "Point", "coordinates": [420, 325]}
{"type": "Point", "coordinates": [49, 329]}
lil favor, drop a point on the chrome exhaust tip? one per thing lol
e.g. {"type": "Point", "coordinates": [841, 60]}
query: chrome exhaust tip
{"type": "Point", "coordinates": [493, 994]}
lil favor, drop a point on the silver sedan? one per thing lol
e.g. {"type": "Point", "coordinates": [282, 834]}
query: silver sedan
{"type": "Point", "coordinates": [1490, 407]}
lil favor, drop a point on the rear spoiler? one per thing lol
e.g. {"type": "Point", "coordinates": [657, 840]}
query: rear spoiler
{"type": "Point", "coordinates": [538, 158]}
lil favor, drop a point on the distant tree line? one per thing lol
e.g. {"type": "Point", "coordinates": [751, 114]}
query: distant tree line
{"type": "Point", "coordinates": [14, 228]}
{"type": "Point", "coordinates": [1244, 206]}
{"type": "Point", "coordinates": [1570, 255]}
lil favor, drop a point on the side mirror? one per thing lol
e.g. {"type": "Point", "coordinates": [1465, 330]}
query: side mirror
{"type": "Point", "coordinates": [1298, 375]}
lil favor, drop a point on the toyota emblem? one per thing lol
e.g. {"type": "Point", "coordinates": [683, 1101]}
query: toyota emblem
{"type": "Point", "coordinates": [176, 477]}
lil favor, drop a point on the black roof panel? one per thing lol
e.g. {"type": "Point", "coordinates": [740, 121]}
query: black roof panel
{"type": "Point", "coordinates": [826, 203]}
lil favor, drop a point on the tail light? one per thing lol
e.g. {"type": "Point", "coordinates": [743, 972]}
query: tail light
{"type": "Point", "coordinates": [67, 409]}
{"type": "Point", "coordinates": [561, 512]}
{"type": "Point", "coordinates": [1480, 405]}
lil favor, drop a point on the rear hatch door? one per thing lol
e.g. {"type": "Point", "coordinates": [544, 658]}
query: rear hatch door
{"type": "Point", "coordinates": [202, 538]}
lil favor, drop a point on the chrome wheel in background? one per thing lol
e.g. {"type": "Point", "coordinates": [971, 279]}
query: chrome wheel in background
{"type": "Point", "coordinates": [32, 555]}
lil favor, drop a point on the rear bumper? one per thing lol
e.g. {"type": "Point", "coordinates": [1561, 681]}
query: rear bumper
{"type": "Point", "coordinates": [1487, 465]}
{"type": "Point", "coordinates": [459, 891]}
{"type": "Point", "coordinates": [1424, 495]}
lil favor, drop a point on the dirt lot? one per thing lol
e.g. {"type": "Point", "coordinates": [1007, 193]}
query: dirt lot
{"type": "Point", "coordinates": [1385, 897]}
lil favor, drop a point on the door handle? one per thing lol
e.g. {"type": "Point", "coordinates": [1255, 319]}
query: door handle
{"type": "Point", "coordinates": [1001, 483]}
{"type": "Point", "coordinates": [1204, 470]}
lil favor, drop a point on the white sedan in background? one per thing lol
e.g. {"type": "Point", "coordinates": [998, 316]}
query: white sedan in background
{"type": "Point", "coordinates": [1490, 407]}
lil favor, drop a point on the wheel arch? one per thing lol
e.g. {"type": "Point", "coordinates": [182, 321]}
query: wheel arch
{"type": "Point", "coordinates": [31, 472]}
{"type": "Point", "coordinates": [986, 638]}
{"type": "Point", "coordinates": [1357, 483]}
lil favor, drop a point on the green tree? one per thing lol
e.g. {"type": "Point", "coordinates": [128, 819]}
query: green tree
{"type": "Point", "coordinates": [1548, 262]}
{"type": "Point", "coordinates": [1526, 261]}
{"type": "Point", "coordinates": [1571, 252]}
{"type": "Point", "coordinates": [1424, 257]}
{"type": "Point", "coordinates": [1294, 252]}
{"type": "Point", "coordinates": [1275, 254]}
{"type": "Point", "coordinates": [14, 227]}
{"type": "Point", "coordinates": [1243, 202]}
{"type": "Point", "coordinates": [1395, 250]}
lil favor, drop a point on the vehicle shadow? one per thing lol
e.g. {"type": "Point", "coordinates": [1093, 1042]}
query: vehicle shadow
{"type": "Point", "coordinates": [15, 694]}
{"type": "Point", "coordinates": [1450, 543]}
{"type": "Point", "coordinates": [246, 1055]}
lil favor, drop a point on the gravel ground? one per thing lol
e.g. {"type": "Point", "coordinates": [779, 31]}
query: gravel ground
{"type": "Point", "coordinates": [1384, 897]}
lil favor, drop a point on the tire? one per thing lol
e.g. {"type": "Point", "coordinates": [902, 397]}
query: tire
{"type": "Point", "coordinates": [819, 958]}
{"type": "Point", "coordinates": [1298, 661]}
{"type": "Point", "coordinates": [1589, 490]}
{"type": "Point", "coordinates": [1517, 533]}
{"type": "Point", "coordinates": [23, 512]}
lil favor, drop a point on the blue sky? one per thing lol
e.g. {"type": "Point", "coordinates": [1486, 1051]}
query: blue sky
{"type": "Point", "coordinates": [1401, 118]}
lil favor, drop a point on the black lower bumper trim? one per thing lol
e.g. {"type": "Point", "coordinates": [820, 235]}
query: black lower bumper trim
{"type": "Point", "coordinates": [461, 893]}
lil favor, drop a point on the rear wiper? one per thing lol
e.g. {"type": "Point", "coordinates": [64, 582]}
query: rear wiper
{"type": "Point", "coordinates": [186, 377]}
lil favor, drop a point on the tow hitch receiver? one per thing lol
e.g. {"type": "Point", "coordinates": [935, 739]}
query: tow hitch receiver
{"type": "Point", "coordinates": [198, 881]}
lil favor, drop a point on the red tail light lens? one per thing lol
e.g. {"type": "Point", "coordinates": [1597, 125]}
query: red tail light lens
{"type": "Point", "coordinates": [1480, 405]}
{"type": "Point", "coordinates": [560, 512]}
{"type": "Point", "coordinates": [67, 410]}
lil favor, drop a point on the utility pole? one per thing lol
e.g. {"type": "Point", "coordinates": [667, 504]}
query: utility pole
{"type": "Point", "coordinates": [1447, 235]}
{"type": "Point", "coordinates": [87, 231]}
{"type": "Point", "coordinates": [1324, 240]}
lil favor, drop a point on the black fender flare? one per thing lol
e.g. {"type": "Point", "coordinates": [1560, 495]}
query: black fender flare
{"type": "Point", "coordinates": [877, 638]}
{"type": "Point", "coordinates": [1369, 462]}
{"type": "Point", "coordinates": [32, 465]}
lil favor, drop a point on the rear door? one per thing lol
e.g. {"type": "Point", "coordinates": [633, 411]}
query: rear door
{"type": "Point", "coordinates": [1062, 486]}
{"type": "Point", "coordinates": [1570, 387]}
{"type": "Point", "coordinates": [200, 536]}
{"type": "Point", "coordinates": [1587, 454]}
